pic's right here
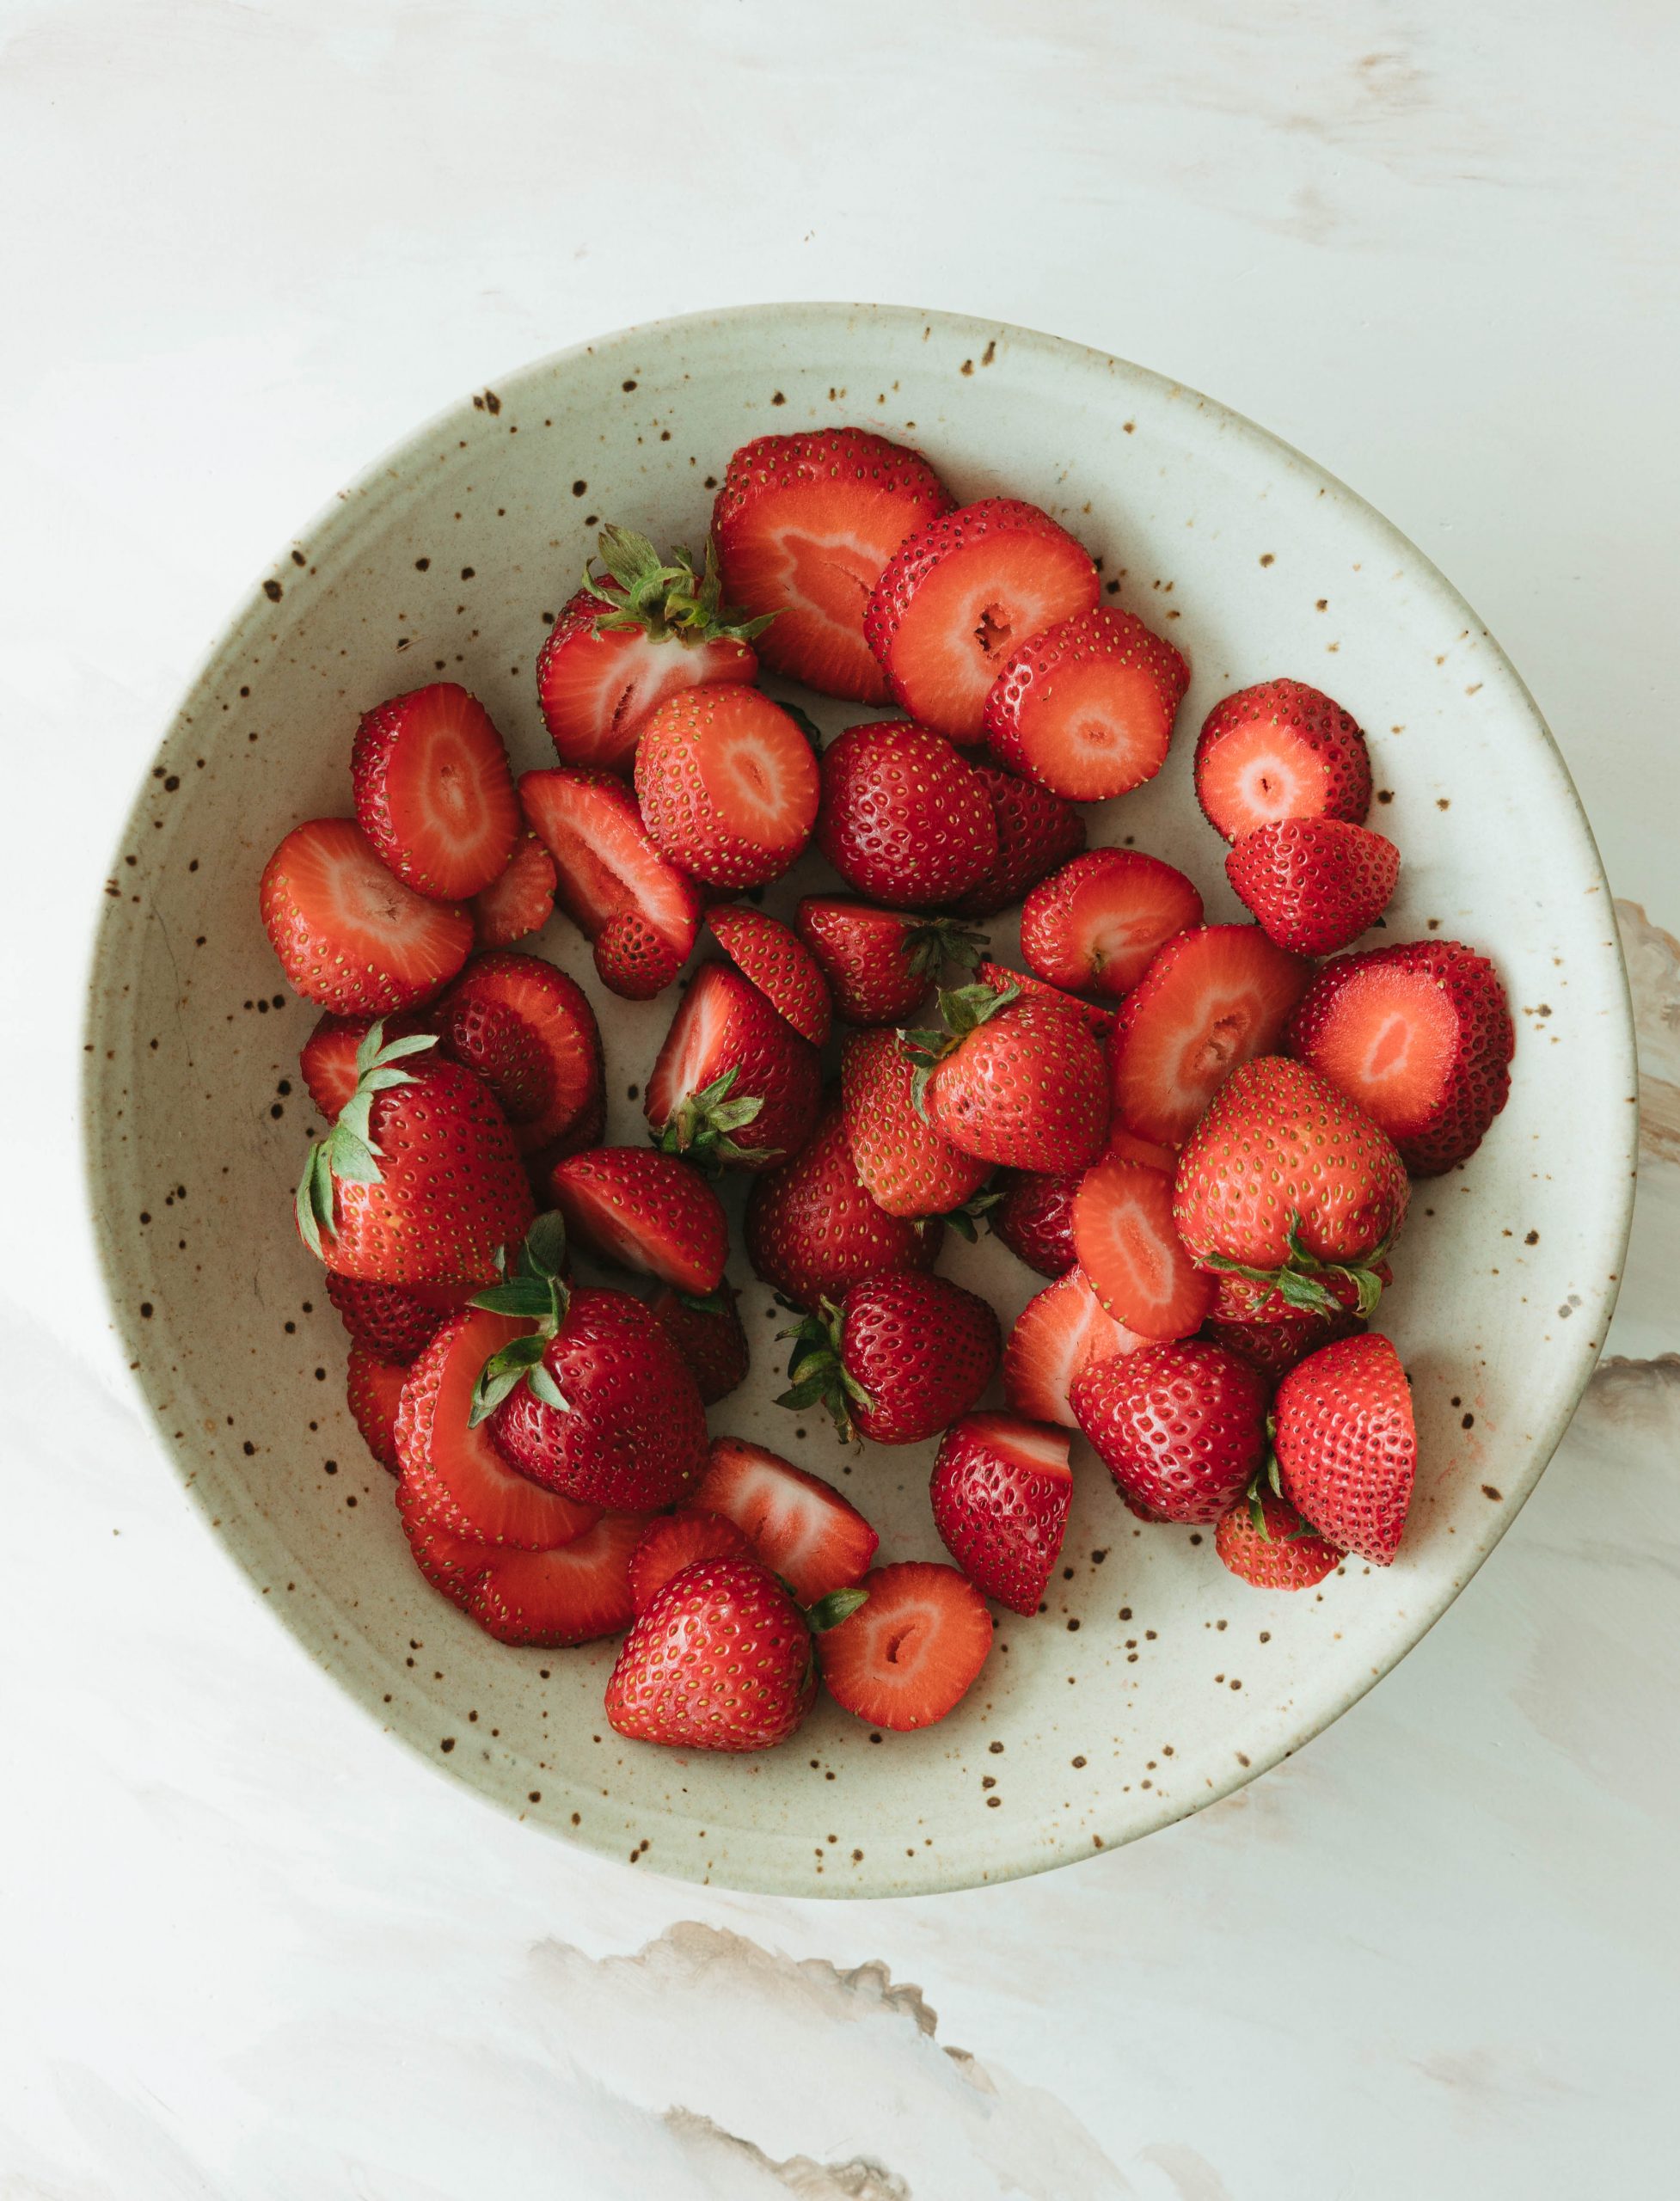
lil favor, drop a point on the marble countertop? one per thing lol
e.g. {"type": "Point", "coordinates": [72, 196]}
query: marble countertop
{"type": "Point", "coordinates": [254, 1952]}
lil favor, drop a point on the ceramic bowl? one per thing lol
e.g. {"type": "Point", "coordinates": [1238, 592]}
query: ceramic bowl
{"type": "Point", "coordinates": [1154, 1683]}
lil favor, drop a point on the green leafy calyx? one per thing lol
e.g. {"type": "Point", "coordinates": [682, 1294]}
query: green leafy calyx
{"type": "Point", "coordinates": [700, 1126]}
{"type": "Point", "coordinates": [667, 601]}
{"type": "Point", "coordinates": [348, 1154]}
{"type": "Point", "coordinates": [965, 1009]}
{"type": "Point", "coordinates": [931, 946]}
{"type": "Point", "coordinates": [817, 1374]}
{"type": "Point", "coordinates": [536, 1292]}
{"type": "Point", "coordinates": [1300, 1282]}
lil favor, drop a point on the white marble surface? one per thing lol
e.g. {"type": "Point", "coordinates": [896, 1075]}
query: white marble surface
{"type": "Point", "coordinates": [250, 1949]}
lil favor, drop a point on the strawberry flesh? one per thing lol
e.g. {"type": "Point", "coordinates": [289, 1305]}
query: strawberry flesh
{"type": "Point", "coordinates": [912, 1651]}
{"type": "Point", "coordinates": [1130, 1249]}
{"type": "Point", "coordinates": [598, 690]}
{"type": "Point", "coordinates": [1095, 925]}
{"type": "Point", "coordinates": [645, 1211]}
{"type": "Point", "coordinates": [604, 859]}
{"type": "Point", "coordinates": [521, 901]}
{"type": "Point", "coordinates": [795, 1524]}
{"type": "Point", "coordinates": [573, 1594]}
{"type": "Point", "coordinates": [349, 934]}
{"type": "Point", "coordinates": [728, 785]}
{"type": "Point", "coordinates": [1086, 708]}
{"type": "Point", "coordinates": [1281, 750]}
{"type": "Point", "coordinates": [675, 1541]}
{"type": "Point", "coordinates": [1056, 1334]}
{"type": "Point", "coordinates": [434, 792]}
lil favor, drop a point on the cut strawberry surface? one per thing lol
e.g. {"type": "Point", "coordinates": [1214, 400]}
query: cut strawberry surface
{"type": "Point", "coordinates": [598, 685]}
{"type": "Point", "coordinates": [373, 1390]}
{"type": "Point", "coordinates": [795, 1524]}
{"type": "Point", "coordinates": [1095, 925]}
{"type": "Point", "coordinates": [1281, 750]}
{"type": "Point", "coordinates": [779, 964]}
{"type": "Point", "coordinates": [1126, 1146]}
{"type": "Point", "coordinates": [327, 1056]}
{"type": "Point", "coordinates": [1057, 1333]}
{"type": "Point", "coordinates": [527, 1029]}
{"type": "Point", "coordinates": [1130, 1249]}
{"type": "Point", "coordinates": [912, 1651]}
{"type": "Point", "coordinates": [1210, 999]}
{"type": "Point", "coordinates": [570, 1595]}
{"type": "Point", "coordinates": [676, 1541]}
{"type": "Point", "coordinates": [960, 597]}
{"type": "Point", "coordinates": [605, 860]}
{"type": "Point", "coordinates": [646, 1210]}
{"type": "Point", "coordinates": [1097, 1017]}
{"type": "Point", "coordinates": [521, 901]}
{"type": "Point", "coordinates": [1001, 1491]}
{"type": "Point", "coordinates": [724, 1029]}
{"type": "Point", "coordinates": [349, 934]}
{"type": "Point", "coordinates": [1086, 708]}
{"type": "Point", "coordinates": [728, 785]}
{"type": "Point", "coordinates": [434, 792]}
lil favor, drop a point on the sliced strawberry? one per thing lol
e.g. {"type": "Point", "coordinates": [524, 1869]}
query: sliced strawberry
{"type": "Point", "coordinates": [960, 597]}
{"type": "Point", "coordinates": [394, 1321]}
{"type": "Point", "coordinates": [1281, 750]}
{"type": "Point", "coordinates": [1128, 1247]}
{"type": "Point", "coordinates": [1264, 1541]}
{"type": "Point", "coordinates": [521, 901]}
{"type": "Point", "coordinates": [797, 1525]}
{"type": "Point", "coordinates": [1086, 706]}
{"type": "Point", "coordinates": [805, 526]}
{"type": "Point", "coordinates": [450, 1563]}
{"type": "Point", "coordinates": [1095, 925]}
{"type": "Point", "coordinates": [1210, 999]}
{"type": "Point", "coordinates": [879, 964]}
{"type": "Point", "coordinates": [1056, 1333]}
{"type": "Point", "coordinates": [373, 1389]}
{"type": "Point", "coordinates": [1036, 830]}
{"type": "Point", "coordinates": [350, 935]}
{"type": "Point", "coordinates": [728, 785]}
{"type": "Point", "coordinates": [571, 1595]}
{"type": "Point", "coordinates": [645, 1211]}
{"type": "Point", "coordinates": [1001, 1491]}
{"type": "Point", "coordinates": [709, 1336]}
{"type": "Point", "coordinates": [779, 964]}
{"type": "Point", "coordinates": [726, 1028]}
{"type": "Point", "coordinates": [529, 1032]}
{"type": "Point", "coordinates": [1315, 884]}
{"type": "Point", "coordinates": [327, 1056]}
{"type": "Point", "coordinates": [1097, 1017]}
{"type": "Point", "coordinates": [912, 1651]}
{"type": "Point", "coordinates": [678, 1540]}
{"type": "Point", "coordinates": [606, 863]}
{"type": "Point", "coordinates": [433, 792]}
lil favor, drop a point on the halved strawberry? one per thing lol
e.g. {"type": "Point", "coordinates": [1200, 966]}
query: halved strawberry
{"type": "Point", "coordinates": [1056, 1333]}
{"type": "Point", "coordinates": [733, 1081]}
{"type": "Point", "coordinates": [1097, 1017]}
{"type": "Point", "coordinates": [1128, 1248]}
{"type": "Point", "coordinates": [433, 792]}
{"type": "Point", "coordinates": [529, 1032]}
{"type": "Point", "coordinates": [645, 1211]}
{"type": "Point", "coordinates": [1094, 926]}
{"type": "Point", "coordinates": [394, 1321]}
{"type": "Point", "coordinates": [727, 784]}
{"type": "Point", "coordinates": [571, 1595]}
{"type": "Point", "coordinates": [1126, 1146]}
{"type": "Point", "coordinates": [350, 935]}
{"type": "Point", "coordinates": [606, 862]}
{"type": "Point", "coordinates": [879, 964]}
{"type": "Point", "coordinates": [1280, 750]}
{"type": "Point", "coordinates": [1036, 830]}
{"type": "Point", "coordinates": [805, 525]}
{"type": "Point", "coordinates": [675, 1541]}
{"type": "Point", "coordinates": [1001, 1491]}
{"type": "Point", "coordinates": [779, 964]}
{"type": "Point", "coordinates": [1086, 706]}
{"type": "Point", "coordinates": [959, 599]}
{"type": "Point", "coordinates": [327, 1056]}
{"type": "Point", "coordinates": [906, 1166]}
{"type": "Point", "coordinates": [709, 1335]}
{"type": "Point", "coordinates": [797, 1525]}
{"type": "Point", "coordinates": [373, 1390]}
{"type": "Point", "coordinates": [1210, 999]}
{"type": "Point", "coordinates": [521, 901]}
{"type": "Point", "coordinates": [1315, 884]}
{"type": "Point", "coordinates": [912, 1651]}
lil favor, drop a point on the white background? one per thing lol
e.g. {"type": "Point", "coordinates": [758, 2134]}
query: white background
{"type": "Point", "coordinates": [249, 1949]}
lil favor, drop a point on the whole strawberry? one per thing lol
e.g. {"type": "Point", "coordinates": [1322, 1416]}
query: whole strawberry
{"type": "Point", "coordinates": [903, 818]}
{"type": "Point", "coordinates": [900, 1359]}
{"type": "Point", "coordinates": [1315, 884]}
{"type": "Point", "coordinates": [908, 1168]}
{"type": "Point", "coordinates": [880, 965]}
{"type": "Point", "coordinates": [1036, 832]}
{"type": "Point", "coordinates": [1012, 1082]}
{"type": "Point", "coordinates": [1264, 1541]}
{"type": "Point", "coordinates": [1181, 1427]}
{"type": "Point", "coordinates": [1347, 1446]}
{"type": "Point", "coordinates": [1001, 1491]}
{"type": "Point", "coordinates": [812, 1230]}
{"type": "Point", "coordinates": [1034, 1219]}
{"type": "Point", "coordinates": [1275, 1343]}
{"type": "Point", "coordinates": [708, 1333]}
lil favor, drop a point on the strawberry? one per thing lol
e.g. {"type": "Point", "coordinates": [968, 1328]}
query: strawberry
{"type": "Point", "coordinates": [1001, 1492]}
{"type": "Point", "coordinates": [1094, 926]}
{"type": "Point", "coordinates": [1181, 1427]}
{"type": "Point", "coordinates": [573, 1594]}
{"type": "Point", "coordinates": [675, 1541]}
{"type": "Point", "coordinates": [453, 1564]}
{"type": "Point", "coordinates": [908, 1168]}
{"type": "Point", "coordinates": [327, 1056]}
{"type": "Point", "coordinates": [795, 1524]}
{"type": "Point", "coordinates": [900, 1358]}
{"type": "Point", "coordinates": [1036, 830]}
{"type": "Point", "coordinates": [1241, 1299]}
{"type": "Point", "coordinates": [1097, 1018]}
{"type": "Point", "coordinates": [914, 1649]}
{"type": "Point", "coordinates": [1124, 1234]}
{"type": "Point", "coordinates": [1276, 1342]}
{"type": "Point", "coordinates": [879, 966]}
{"type": "Point", "coordinates": [805, 525]}
{"type": "Point", "coordinates": [1420, 1036]}
{"type": "Point", "coordinates": [595, 1401]}
{"type": "Point", "coordinates": [1034, 1218]}
{"type": "Point", "coordinates": [779, 964]}
{"type": "Point", "coordinates": [647, 1211]}
{"type": "Point", "coordinates": [961, 595]}
{"type": "Point", "coordinates": [373, 1389]}
{"type": "Point", "coordinates": [707, 1332]}
{"type": "Point", "coordinates": [1086, 708]}
{"type": "Point", "coordinates": [633, 959]}
{"type": "Point", "coordinates": [1287, 1183]}
{"type": "Point", "coordinates": [1346, 1446]}
{"type": "Point", "coordinates": [1011, 1082]}
{"type": "Point", "coordinates": [606, 864]}
{"type": "Point", "coordinates": [393, 1321]}
{"type": "Point", "coordinates": [1126, 1146]}
{"type": "Point", "coordinates": [626, 643]}
{"type": "Point", "coordinates": [727, 784]}
{"type": "Point", "coordinates": [419, 1180]}
{"type": "Point", "coordinates": [812, 1230]}
{"type": "Point", "coordinates": [903, 818]}
{"type": "Point", "coordinates": [1281, 750]}
{"type": "Point", "coordinates": [734, 1082]}
{"type": "Point", "coordinates": [349, 934]}
{"type": "Point", "coordinates": [1315, 884]}
{"type": "Point", "coordinates": [1057, 1333]}
{"type": "Point", "coordinates": [433, 792]}
{"type": "Point", "coordinates": [1209, 999]}
{"type": "Point", "coordinates": [529, 1032]}
{"type": "Point", "coordinates": [1264, 1541]}
{"type": "Point", "coordinates": [521, 901]}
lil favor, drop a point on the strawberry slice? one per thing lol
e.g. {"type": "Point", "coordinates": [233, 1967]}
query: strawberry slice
{"type": "Point", "coordinates": [350, 935]}
{"type": "Point", "coordinates": [1097, 1017]}
{"type": "Point", "coordinates": [1210, 999]}
{"type": "Point", "coordinates": [521, 901]}
{"type": "Point", "coordinates": [450, 1563]}
{"type": "Point", "coordinates": [529, 1032]}
{"type": "Point", "coordinates": [779, 964]}
{"type": "Point", "coordinates": [1086, 708]}
{"type": "Point", "coordinates": [797, 1525]}
{"type": "Point", "coordinates": [1036, 830]}
{"type": "Point", "coordinates": [606, 863]}
{"type": "Point", "coordinates": [1281, 750]}
{"type": "Point", "coordinates": [1001, 1492]}
{"type": "Point", "coordinates": [645, 1211]}
{"type": "Point", "coordinates": [327, 1056]}
{"type": "Point", "coordinates": [1123, 1233]}
{"type": "Point", "coordinates": [433, 792]}
{"type": "Point", "coordinates": [726, 1030]}
{"type": "Point", "coordinates": [1057, 1333]}
{"type": "Point", "coordinates": [960, 597]}
{"type": "Point", "coordinates": [570, 1595]}
{"type": "Point", "coordinates": [394, 1321]}
{"type": "Point", "coordinates": [805, 526]}
{"type": "Point", "coordinates": [1094, 926]}
{"type": "Point", "coordinates": [1126, 1146]}
{"type": "Point", "coordinates": [728, 785]}
{"type": "Point", "coordinates": [912, 1651]}
{"type": "Point", "coordinates": [676, 1541]}
{"type": "Point", "coordinates": [373, 1390]}
{"type": "Point", "coordinates": [709, 1337]}
{"type": "Point", "coordinates": [1315, 884]}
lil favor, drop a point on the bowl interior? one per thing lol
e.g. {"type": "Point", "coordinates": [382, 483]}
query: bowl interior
{"type": "Point", "coordinates": [1154, 1683]}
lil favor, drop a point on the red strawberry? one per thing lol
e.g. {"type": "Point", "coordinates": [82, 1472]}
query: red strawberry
{"type": "Point", "coordinates": [734, 1082]}
{"type": "Point", "coordinates": [1181, 1427]}
{"type": "Point", "coordinates": [647, 1211]}
{"type": "Point", "coordinates": [727, 784]}
{"type": "Point", "coordinates": [908, 1168]}
{"type": "Point", "coordinates": [1240, 1298]}
{"type": "Point", "coordinates": [1012, 1082]}
{"type": "Point", "coordinates": [419, 1181]}
{"type": "Point", "coordinates": [1346, 1446]}
{"type": "Point", "coordinates": [1315, 884]}
{"type": "Point", "coordinates": [1284, 1179]}
{"type": "Point", "coordinates": [433, 792]}
{"type": "Point", "coordinates": [779, 964]}
{"type": "Point", "coordinates": [633, 958]}
{"type": "Point", "coordinates": [1097, 1018]}
{"type": "Point", "coordinates": [1095, 925]}
{"type": "Point", "coordinates": [1126, 1146]}
{"type": "Point", "coordinates": [1086, 708]}
{"type": "Point", "coordinates": [606, 863]}
{"type": "Point", "coordinates": [675, 1541]}
{"type": "Point", "coordinates": [1056, 1334]}
{"type": "Point", "coordinates": [1001, 1492]}
{"type": "Point", "coordinates": [1282, 749]}
{"type": "Point", "coordinates": [708, 1333]}
{"type": "Point", "coordinates": [911, 1652]}
{"type": "Point", "coordinates": [1274, 1343]}
{"type": "Point", "coordinates": [1420, 1037]}
{"type": "Point", "coordinates": [530, 1032]}
{"type": "Point", "coordinates": [349, 934]}
{"type": "Point", "coordinates": [900, 1359]}
{"type": "Point", "coordinates": [521, 901]}
{"type": "Point", "coordinates": [795, 1524]}
{"type": "Point", "coordinates": [1209, 999]}
{"type": "Point", "coordinates": [805, 525]}
{"type": "Point", "coordinates": [812, 1230]}
{"type": "Point", "coordinates": [1034, 1218]}
{"type": "Point", "coordinates": [393, 1321]}
{"type": "Point", "coordinates": [327, 1056]}
{"type": "Point", "coordinates": [959, 599]}
{"type": "Point", "coordinates": [1036, 830]}
{"type": "Point", "coordinates": [450, 1563]}
{"type": "Point", "coordinates": [903, 818]}
{"type": "Point", "coordinates": [1264, 1541]}
{"type": "Point", "coordinates": [573, 1594]}
{"type": "Point", "coordinates": [1124, 1234]}
{"type": "Point", "coordinates": [623, 644]}
{"type": "Point", "coordinates": [879, 966]}
{"type": "Point", "coordinates": [373, 1389]}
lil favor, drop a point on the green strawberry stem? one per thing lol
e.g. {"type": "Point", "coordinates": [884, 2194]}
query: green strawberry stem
{"type": "Point", "coordinates": [941, 941]}
{"type": "Point", "coordinates": [964, 1219]}
{"type": "Point", "coordinates": [537, 1293]}
{"type": "Point", "coordinates": [700, 1126]}
{"type": "Point", "coordinates": [838, 1605]}
{"type": "Point", "coordinates": [817, 1374]}
{"type": "Point", "coordinates": [1296, 1283]}
{"type": "Point", "coordinates": [348, 1152]}
{"type": "Point", "coordinates": [964, 1008]}
{"type": "Point", "coordinates": [667, 601]}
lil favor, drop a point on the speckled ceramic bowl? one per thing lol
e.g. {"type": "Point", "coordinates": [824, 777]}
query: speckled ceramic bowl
{"type": "Point", "coordinates": [1155, 1683]}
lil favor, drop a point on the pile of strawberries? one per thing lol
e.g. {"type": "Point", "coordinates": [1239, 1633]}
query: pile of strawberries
{"type": "Point", "coordinates": [1200, 1139]}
